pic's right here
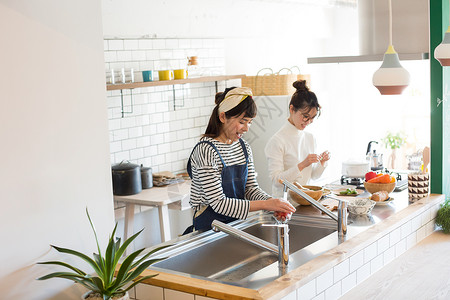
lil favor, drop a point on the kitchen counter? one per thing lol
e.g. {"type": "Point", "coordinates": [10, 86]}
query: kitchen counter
{"type": "Point", "coordinates": [372, 242]}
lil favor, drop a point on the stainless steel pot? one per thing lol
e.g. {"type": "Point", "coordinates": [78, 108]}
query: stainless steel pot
{"type": "Point", "coordinates": [146, 177]}
{"type": "Point", "coordinates": [355, 169]}
{"type": "Point", "coordinates": [126, 179]}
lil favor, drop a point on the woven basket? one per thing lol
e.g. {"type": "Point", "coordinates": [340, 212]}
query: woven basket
{"type": "Point", "coordinates": [273, 84]}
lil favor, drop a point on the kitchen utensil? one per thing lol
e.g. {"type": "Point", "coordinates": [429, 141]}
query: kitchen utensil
{"type": "Point", "coordinates": [360, 206]}
{"type": "Point", "coordinates": [418, 186]}
{"type": "Point", "coordinates": [146, 177]}
{"type": "Point", "coordinates": [355, 169]}
{"type": "Point", "coordinates": [165, 75]}
{"type": "Point", "coordinates": [126, 179]}
{"type": "Point", "coordinates": [316, 195]}
{"type": "Point", "coordinates": [426, 159]}
{"type": "Point", "coordinates": [147, 76]}
{"type": "Point", "coordinates": [180, 74]}
{"type": "Point", "coordinates": [192, 60]}
{"type": "Point", "coordinates": [376, 187]}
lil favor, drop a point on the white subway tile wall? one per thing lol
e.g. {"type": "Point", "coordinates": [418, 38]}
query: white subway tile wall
{"type": "Point", "coordinates": [335, 282]}
{"type": "Point", "coordinates": [164, 122]}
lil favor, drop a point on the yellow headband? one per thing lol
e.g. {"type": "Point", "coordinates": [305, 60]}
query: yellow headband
{"type": "Point", "coordinates": [234, 97]}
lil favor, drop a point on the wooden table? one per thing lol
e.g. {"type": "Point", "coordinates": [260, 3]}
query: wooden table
{"type": "Point", "coordinates": [156, 196]}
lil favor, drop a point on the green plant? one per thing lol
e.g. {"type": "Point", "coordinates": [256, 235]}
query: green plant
{"type": "Point", "coordinates": [105, 284]}
{"type": "Point", "coordinates": [443, 216]}
{"type": "Point", "coordinates": [394, 141]}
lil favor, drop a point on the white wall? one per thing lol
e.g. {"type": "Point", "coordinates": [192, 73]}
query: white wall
{"type": "Point", "coordinates": [54, 135]}
{"type": "Point", "coordinates": [257, 33]}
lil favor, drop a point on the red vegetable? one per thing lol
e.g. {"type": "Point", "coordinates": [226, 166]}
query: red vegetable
{"type": "Point", "coordinates": [370, 175]}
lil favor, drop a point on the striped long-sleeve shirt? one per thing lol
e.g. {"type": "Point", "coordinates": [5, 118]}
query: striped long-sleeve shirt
{"type": "Point", "coordinates": [206, 187]}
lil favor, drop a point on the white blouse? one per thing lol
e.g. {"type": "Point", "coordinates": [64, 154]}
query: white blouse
{"type": "Point", "coordinates": [284, 151]}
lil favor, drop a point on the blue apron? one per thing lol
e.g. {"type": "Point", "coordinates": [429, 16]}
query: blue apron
{"type": "Point", "coordinates": [234, 179]}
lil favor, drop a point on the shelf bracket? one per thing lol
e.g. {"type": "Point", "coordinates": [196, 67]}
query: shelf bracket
{"type": "Point", "coordinates": [174, 99]}
{"type": "Point", "coordinates": [121, 103]}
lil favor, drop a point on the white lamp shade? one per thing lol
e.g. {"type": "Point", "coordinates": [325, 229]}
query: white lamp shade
{"type": "Point", "coordinates": [442, 51]}
{"type": "Point", "coordinates": [391, 78]}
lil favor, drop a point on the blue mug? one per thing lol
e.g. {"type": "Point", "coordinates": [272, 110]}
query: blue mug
{"type": "Point", "coordinates": [147, 76]}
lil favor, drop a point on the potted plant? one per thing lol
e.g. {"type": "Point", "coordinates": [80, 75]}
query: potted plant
{"type": "Point", "coordinates": [443, 216]}
{"type": "Point", "coordinates": [105, 285]}
{"type": "Point", "coordinates": [393, 141]}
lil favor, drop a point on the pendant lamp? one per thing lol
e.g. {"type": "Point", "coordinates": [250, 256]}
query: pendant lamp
{"type": "Point", "coordinates": [442, 51]}
{"type": "Point", "coordinates": [391, 78]}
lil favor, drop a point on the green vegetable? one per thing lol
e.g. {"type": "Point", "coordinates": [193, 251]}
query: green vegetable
{"type": "Point", "coordinates": [443, 216]}
{"type": "Point", "coordinates": [348, 192]}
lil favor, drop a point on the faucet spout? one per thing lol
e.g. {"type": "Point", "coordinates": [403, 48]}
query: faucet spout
{"type": "Point", "coordinates": [341, 218]}
{"type": "Point", "coordinates": [244, 236]}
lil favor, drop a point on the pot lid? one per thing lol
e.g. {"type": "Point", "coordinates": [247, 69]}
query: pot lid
{"type": "Point", "coordinates": [145, 169]}
{"type": "Point", "coordinates": [355, 163]}
{"type": "Point", "coordinates": [124, 165]}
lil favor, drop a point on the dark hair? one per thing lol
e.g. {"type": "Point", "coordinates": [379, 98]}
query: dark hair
{"type": "Point", "coordinates": [247, 106]}
{"type": "Point", "coordinates": [304, 98]}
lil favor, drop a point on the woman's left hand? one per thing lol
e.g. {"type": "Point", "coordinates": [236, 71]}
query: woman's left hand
{"type": "Point", "coordinates": [325, 156]}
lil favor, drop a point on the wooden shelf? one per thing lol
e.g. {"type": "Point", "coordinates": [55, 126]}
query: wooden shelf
{"type": "Point", "coordinates": [134, 85]}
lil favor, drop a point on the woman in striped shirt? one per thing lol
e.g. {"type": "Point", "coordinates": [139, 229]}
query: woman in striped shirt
{"type": "Point", "coordinates": [221, 166]}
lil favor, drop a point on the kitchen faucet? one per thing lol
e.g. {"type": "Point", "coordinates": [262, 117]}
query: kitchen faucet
{"type": "Point", "coordinates": [283, 240]}
{"type": "Point", "coordinates": [341, 218]}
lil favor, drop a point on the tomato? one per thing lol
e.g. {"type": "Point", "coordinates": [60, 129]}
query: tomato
{"type": "Point", "coordinates": [282, 216]}
{"type": "Point", "coordinates": [370, 175]}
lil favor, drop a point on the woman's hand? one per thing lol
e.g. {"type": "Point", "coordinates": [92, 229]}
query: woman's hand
{"type": "Point", "coordinates": [273, 204]}
{"type": "Point", "coordinates": [325, 156]}
{"type": "Point", "coordinates": [309, 160]}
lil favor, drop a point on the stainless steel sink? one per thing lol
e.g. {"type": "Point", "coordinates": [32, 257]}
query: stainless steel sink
{"type": "Point", "coordinates": [220, 257]}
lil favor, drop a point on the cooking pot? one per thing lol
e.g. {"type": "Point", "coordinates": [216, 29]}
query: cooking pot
{"type": "Point", "coordinates": [146, 177]}
{"type": "Point", "coordinates": [355, 169]}
{"type": "Point", "coordinates": [126, 179]}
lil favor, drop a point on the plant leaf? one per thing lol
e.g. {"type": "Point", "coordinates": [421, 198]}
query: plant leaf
{"type": "Point", "coordinates": [148, 254]}
{"type": "Point", "coordinates": [82, 256]}
{"type": "Point", "coordinates": [122, 249]}
{"type": "Point", "coordinates": [98, 259]}
{"type": "Point", "coordinates": [63, 274]}
{"type": "Point", "coordinates": [124, 268]}
{"type": "Point", "coordinates": [95, 234]}
{"type": "Point", "coordinates": [109, 259]}
{"type": "Point", "coordinates": [64, 265]}
{"type": "Point", "coordinates": [141, 268]}
{"type": "Point", "coordinates": [139, 281]}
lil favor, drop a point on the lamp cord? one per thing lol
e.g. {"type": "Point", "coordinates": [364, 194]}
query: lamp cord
{"type": "Point", "coordinates": [390, 23]}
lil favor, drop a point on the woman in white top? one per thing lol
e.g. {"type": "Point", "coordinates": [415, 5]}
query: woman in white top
{"type": "Point", "coordinates": [224, 185]}
{"type": "Point", "coordinates": [291, 153]}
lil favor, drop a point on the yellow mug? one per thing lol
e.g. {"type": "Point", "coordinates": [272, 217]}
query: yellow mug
{"type": "Point", "coordinates": [165, 75]}
{"type": "Point", "coordinates": [180, 74]}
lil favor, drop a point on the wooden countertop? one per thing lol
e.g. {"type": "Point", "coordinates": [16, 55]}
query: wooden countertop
{"type": "Point", "coordinates": [283, 285]}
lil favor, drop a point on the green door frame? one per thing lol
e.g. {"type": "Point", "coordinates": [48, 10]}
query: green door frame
{"type": "Point", "coordinates": [439, 106]}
